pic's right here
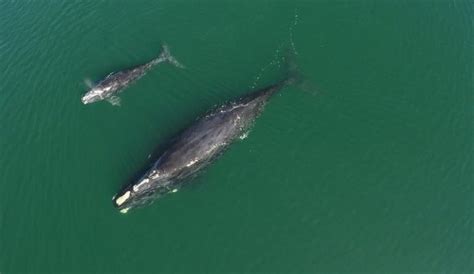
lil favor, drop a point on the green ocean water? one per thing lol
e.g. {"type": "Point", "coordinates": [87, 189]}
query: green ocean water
{"type": "Point", "coordinates": [370, 171]}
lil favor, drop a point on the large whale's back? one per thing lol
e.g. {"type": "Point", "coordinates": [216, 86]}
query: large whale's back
{"type": "Point", "coordinates": [206, 138]}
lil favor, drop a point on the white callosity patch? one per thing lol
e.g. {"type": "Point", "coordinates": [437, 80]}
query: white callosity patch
{"type": "Point", "coordinates": [123, 198]}
{"type": "Point", "coordinates": [154, 174]}
{"type": "Point", "coordinates": [97, 91]}
{"type": "Point", "coordinates": [137, 187]}
{"type": "Point", "coordinates": [124, 210]}
{"type": "Point", "coordinates": [93, 93]}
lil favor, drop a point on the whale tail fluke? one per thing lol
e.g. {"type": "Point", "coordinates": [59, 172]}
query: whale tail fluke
{"type": "Point", "coordinates": [293, 73]}
{"type": "Point", "coordinates": [294, 76]}
{"type": "Point", "coordinates": [165, 56]}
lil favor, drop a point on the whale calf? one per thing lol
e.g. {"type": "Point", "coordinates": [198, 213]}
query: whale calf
{"type": "Point", "coordinates": [116, 82]}
{"type": "Point", "coordinates": [196, 147]}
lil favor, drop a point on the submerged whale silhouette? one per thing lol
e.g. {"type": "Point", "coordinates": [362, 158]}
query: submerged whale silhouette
{"type": "Point", "coordinates": [116, 82]}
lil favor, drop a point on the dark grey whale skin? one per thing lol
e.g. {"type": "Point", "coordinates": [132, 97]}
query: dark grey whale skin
{"type": "Point", "coordinates": [116, 82]}
{"type": "Point", "coordinates": [196, 147]}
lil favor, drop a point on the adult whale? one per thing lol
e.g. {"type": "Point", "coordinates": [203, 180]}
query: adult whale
{"type": "Point", "coordinates": [116, 82]}
{"type": "Point", "coordinates": [197, 146]}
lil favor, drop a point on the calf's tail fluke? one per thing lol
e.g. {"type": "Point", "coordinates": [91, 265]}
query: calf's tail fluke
{"type": "Point", "coordinates": [294, 76]}
{"type": "Point", "coordinates": [165, 56]}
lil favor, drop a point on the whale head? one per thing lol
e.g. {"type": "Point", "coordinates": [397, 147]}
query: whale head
{"type": "Point", "coordinates": [141, 192]}
{"type": "Point", "coordinates": [132, 195]}
{"type": "Point", "coordinates": [93, 95]}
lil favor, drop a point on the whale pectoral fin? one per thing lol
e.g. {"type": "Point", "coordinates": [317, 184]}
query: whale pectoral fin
{"type": "Point", "coordinates": [114, 100]}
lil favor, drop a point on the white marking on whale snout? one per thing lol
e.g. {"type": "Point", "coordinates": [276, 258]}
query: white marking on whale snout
{"type": "Point", "coordinates": [120, 200]}
{"type": "Point", "coordinates": [137, 187]}
{"type": "Point", "coordinates": [93, 93]}
{"type": "Point", "coordinates": [124, 210]}
{"type": "Point", "coordinates": [154, 174]}
{"type": "Point", "coordinates": [85, 99]}
{"type": "Point", "coordinates": [96, 90]}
